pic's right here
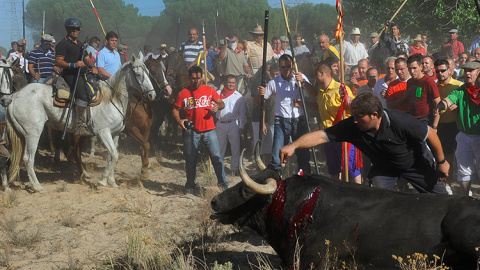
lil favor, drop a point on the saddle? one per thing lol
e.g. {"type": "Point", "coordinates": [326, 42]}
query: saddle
{"type": "Point", "coordinates": [61, 92]}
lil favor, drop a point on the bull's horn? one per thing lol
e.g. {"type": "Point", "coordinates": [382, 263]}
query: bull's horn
{"type": "Point", "coordinates": [258, 158]}
{"type": "Point", "coordinates": [267, 188]}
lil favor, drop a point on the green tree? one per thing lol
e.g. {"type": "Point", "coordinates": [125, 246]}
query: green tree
{"type": "Point", "coordinates": [431, 17]}
{"type": "Point", "coordinates": [112, 13]}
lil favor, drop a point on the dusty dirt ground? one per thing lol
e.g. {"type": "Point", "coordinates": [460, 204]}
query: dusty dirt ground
{"type": "Point", "coordinates": [81, 226]}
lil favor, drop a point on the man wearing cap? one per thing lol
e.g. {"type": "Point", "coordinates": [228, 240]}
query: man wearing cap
{"type": "Point", "coordinates": [234, 62]}
{"type": "Point", "coordinates": [467, 98]}
{"type": "Point", "coordinates": [92, 48]}
{"type": "Point", "coordinates": [14, 45]}
{"type": "Point", "coordinates": [255, 49]}
{"type": "Point", "coordinates": [417, 46]}
{"type": "Point", "coordinates": [147, 51]}
{"type": "Point", "coordinates": [285, 46]}
{"type": "Point", "coordinates": [327, 49]}
{"type": "Point", "coordinates": [354, 50]}
{"type": "Point", "coordinates": [374, 42]}
{"type": "Point", "coordinates": [108, 59]}
{"type": "Point", "coordinates": [69, 55]}
{"type": "Point", "coordinates": [453, 47]}
{"type": "Point", "coordinates": [191, 48]}
{"type": "Point", "coordinates": [163, 51]}
{"type": "Point", "coordinates": [42, 60]}
{"type": "Point", "coordinates": [20, 53]}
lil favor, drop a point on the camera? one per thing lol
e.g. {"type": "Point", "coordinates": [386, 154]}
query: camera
{"type": "Point", "coordinates": [188, 124]}
{"type": "Point", "coordinates": [230, 41]}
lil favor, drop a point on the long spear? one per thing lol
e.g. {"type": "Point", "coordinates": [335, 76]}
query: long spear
{"type": "Point", "coordinates": [264, 71]}
{"type": "Point", "coordinates": [43, 23]}
{"type": "Point", "coordinates": [216, 30]}
{"type": "Point", "coordinates": [394, 15]}
{"type": "Point", "coordinates": [98, 18]}
{"type": "Point", "coordinates": [178, 30]}
{"type": "Point", "coordinates": [300, 88]}
{"type": "Point", "coordinates": [24, 49]}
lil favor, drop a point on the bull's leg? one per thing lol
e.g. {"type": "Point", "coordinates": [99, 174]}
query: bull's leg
{"type": "Point", "coordinates": [109, 143]}
{"type": "Point", "coordinates": [31, 144]}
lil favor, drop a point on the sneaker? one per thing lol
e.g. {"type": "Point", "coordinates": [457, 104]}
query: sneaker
{"type": "Point", "coordinates": [449, 190]}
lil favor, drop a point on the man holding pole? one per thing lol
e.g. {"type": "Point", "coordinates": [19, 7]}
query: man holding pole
{"type": "Point", "coordinates": [290, 122]}
{"type": "Point", "coordinates": [255, 49]}
{"type": "Point", "coordinates": [69, 54]}
{"type": "Point", "coordinates": [330, 98]}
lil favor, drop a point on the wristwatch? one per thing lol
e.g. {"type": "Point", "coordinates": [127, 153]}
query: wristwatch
{"type": "Point", "coordinates": [441, 161]}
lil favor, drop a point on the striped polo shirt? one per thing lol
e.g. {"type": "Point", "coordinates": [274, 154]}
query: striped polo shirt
{"type": "Point", "coordinates": [42, 63]}
{"type": "Point", "coordinates": [191, 51]}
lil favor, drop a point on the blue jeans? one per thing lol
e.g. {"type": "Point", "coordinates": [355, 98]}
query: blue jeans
{"type": "Point", "coordinates": [42, 80]}
{"type": "Point", "coordinates": [284, 130]}
{"type": "Point", "coordinates": [191, 140]}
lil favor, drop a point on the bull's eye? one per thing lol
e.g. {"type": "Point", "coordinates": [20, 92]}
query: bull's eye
{"type": "Point", "coordinates": [246, 193]}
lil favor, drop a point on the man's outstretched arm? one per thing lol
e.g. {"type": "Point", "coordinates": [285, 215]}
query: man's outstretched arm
{"type": "Point", "coordinates": [308, 140]}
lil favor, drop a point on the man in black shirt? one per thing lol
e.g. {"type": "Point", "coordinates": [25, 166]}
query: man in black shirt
{"type": "Point", "coordinates": [68, 56]}
{"type": "Point", "coordinates": [395, 142]}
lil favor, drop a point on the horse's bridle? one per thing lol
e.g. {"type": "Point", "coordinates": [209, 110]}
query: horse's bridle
{"type": "Point", "coordinates": [8, 78]}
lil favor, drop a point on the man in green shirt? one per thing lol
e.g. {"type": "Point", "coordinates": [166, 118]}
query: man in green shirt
{"type": "Point", "coordinates": [467, 98]}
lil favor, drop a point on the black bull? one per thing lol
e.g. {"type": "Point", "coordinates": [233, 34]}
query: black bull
{"type": "Point", "coordinates": [377, 223]}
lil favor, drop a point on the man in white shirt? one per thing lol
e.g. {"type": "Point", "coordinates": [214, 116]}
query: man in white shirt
{"type": "Point", "coordinates": [290, 122]}
{"type": "Point", "coordinates": [231, 121]}
{"type": "Point", "coordinates": [354, 50]}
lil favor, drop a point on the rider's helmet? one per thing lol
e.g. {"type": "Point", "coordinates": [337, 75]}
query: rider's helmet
{"type": "Point", "coordinates": [73, 22]}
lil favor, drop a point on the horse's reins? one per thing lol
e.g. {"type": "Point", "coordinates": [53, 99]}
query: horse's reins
{"type": "Point", "coordinates": [142, 94]}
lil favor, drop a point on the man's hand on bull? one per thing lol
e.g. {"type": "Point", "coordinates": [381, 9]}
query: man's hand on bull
{"type": "Point", "coordinates": [286, 152]}
{"type": "Point", "coordinates": [261, 90]}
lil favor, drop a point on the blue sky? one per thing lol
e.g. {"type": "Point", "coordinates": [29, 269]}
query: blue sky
{"type": "Point", "coordinates": [146, 8]}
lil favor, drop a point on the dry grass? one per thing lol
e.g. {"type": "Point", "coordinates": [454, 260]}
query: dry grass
{"type": "Point", "coordinates": [420, 261]}
{"type": "Point", "coordinates": [5, 256]}
{"type": "Point", "coordinates": [19, 237]}
{"type": "Point", "coordinates": [9, 199]}
{"type": "Point", "coordinates": [67, 218]}
{"type": "Point", "coordinates": [139, 205]}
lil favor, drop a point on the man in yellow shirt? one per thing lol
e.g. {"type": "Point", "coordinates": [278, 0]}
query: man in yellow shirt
{"type": "Point", "coordinates": [447, 126]}
{"type": "Point", "coordinates": [330, 97]}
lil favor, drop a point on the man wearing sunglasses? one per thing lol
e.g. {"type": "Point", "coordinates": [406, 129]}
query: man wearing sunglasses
{"type": "Point", "coordinates": [69, 57]}
{"type": "Point", "coordinates": [447, 126]}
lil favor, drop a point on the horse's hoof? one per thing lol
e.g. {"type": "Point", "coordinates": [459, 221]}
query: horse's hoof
{"type": "Point", "coordinates": [102, 183]}
{"type": "Point", "coordinates": [85, 174]}
{"type": "Point", "coordinates": [114, 185]}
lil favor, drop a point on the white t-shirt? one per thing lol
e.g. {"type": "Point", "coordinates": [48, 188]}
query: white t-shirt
{"type": "Point", "coordinates": [284, 93]}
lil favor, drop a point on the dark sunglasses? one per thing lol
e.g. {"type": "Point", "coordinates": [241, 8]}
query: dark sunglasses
{"type": "Point", "coordinates": [441, 70]}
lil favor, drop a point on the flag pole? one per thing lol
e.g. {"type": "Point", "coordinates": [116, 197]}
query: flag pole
{"type": "Point", "coordinates": [339, 36]}
{"type": "Point", "coordinates": [43, 23]}
{"type": "Point", "coordinates": [98, 18]}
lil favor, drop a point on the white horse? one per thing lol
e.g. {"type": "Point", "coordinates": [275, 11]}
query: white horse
{"type": "Point", "coordinates": [6, 81]}
{"type": "Point", "coordinates": [32, 107]}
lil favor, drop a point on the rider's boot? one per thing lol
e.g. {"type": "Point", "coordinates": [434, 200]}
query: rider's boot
{"type": "Point", "coordinates": [81, 128]}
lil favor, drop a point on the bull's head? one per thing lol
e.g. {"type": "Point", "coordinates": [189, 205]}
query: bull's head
{"type": "Point", "coordinates": [240, 203]}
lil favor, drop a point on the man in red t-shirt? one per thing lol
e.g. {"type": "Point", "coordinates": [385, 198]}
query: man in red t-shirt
{"type": "Point", "coordinates": [396, 89]}
{"type": "Point", "coordinates": [422, 93]}
{"type": "Point", "coordinates": [199, 102]}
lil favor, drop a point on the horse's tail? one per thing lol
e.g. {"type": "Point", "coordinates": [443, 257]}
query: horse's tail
{"type": "Point", "coordinates": [17, 150]}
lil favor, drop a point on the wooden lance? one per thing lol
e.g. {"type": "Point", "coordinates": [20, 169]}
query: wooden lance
{"type": "Point", "coordinates": [394, 15]}
{"type": "Point", "coordinates": [264, 71]}
{"type": "Point", "coordinates": [300, 88]}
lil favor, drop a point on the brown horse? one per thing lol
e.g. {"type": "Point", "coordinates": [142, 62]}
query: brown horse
{"type": "Point", "coordinates": [177, 76]}
{"type": "Point", "coordinates": [140, 112]}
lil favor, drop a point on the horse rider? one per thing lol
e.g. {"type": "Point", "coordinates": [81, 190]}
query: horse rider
{"type": "Point", "coordinates": [68, 56]}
